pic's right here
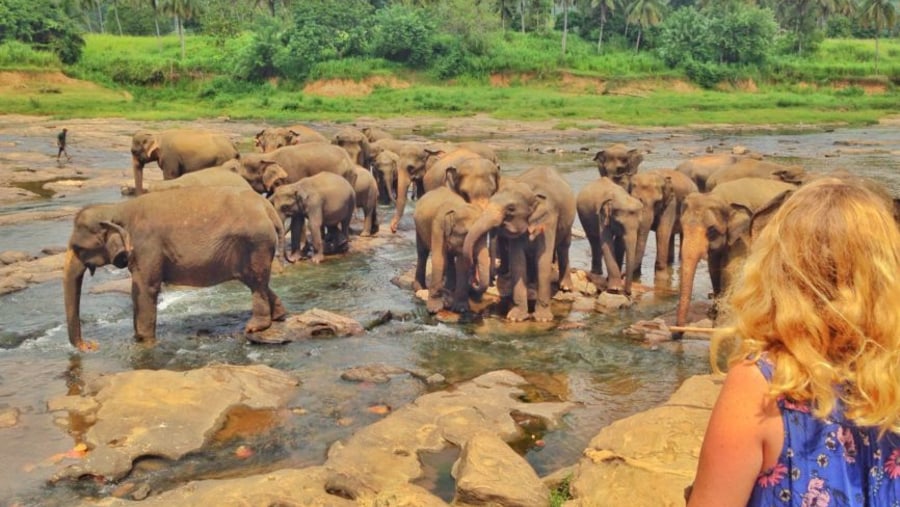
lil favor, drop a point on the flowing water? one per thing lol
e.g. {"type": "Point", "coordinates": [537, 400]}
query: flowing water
{"type": "Point", "coordinates": [609, 374]}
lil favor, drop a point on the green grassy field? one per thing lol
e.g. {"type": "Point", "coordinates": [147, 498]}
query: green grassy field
{"type": "Point", "coordinates": [837, 86]}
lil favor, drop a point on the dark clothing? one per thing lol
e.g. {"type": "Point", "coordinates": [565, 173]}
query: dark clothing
{"type": "Point", "coordinates": [61, 143]}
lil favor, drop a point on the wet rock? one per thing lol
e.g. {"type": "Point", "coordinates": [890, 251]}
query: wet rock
{"type": "Point", "coordinates": [739, 150]}
{"type": "Point", "coordinates": [381, 318]}
{"type": "Point", "coordinates": [14, 256]}
{"type": "Point", "coordinates": [313, 323]}
{"type": "Point", "coordinates": [20, 275]}
{"type": "Point", "coordinates": [374, 373]}
{"type": "Point", "coordinates": [167, 413]}
{"type": "Point", "coordinates": [54, 250]}
{"type": "Point", "coordinates": [607, 301]}
{"type": "Point", "coordinates": [659, 446]}
{"type": "Point", "coordinates": [582, 283]}
{"type": "Point", "coordinates": [9, 417]}
{"type": "Point", "coordinates": [490, 472]}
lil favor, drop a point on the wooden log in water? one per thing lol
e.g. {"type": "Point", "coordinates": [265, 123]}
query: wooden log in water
{"type": "Point", "coordinates": [691, 329]}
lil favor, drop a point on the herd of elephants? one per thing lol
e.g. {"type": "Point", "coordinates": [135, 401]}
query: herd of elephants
{"type": "Point", "coordinates": [478, 226]}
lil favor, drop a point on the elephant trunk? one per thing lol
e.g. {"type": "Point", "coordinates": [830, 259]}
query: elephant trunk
{"type": "Point", "coordinates": [490, 219]}
{"type": "Point", "coordinates": [694, 245]}
{"type": "Point", "coordinates": [631, 258]}
{"type": "Point", "coordinates": [483, 265]}
{"type": "Point", "coordinates": [137, 167]}
{"type": "Point", "coordinates": [643, 233]}
{"type": "Point", "coordinates": [73, 275]}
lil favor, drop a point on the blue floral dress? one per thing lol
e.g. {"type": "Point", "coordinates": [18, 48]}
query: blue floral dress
{"type": "Point", "coordinates": [830, 463]}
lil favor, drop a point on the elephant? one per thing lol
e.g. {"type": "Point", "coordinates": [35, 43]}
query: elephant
{"type": "Point", "coordinates": [716, 225]}
{"type": "Point", "coordinates": [355, 142]}
{"type": "Point", "coordinates": [752, 168]}
{"type": "Point", "coordinates": [300, 161]}
{"type": "Point", "coordinates": [212, 235]}
{"type": "Point", "coordinates": [376, 134]}
{"type": "Point", "coordinates": [228, 174]}
{"type": "Point", "coordinates": [532, 215]}
{"type": "Point", "coordinates": [271, 139]}
{"type": "Point", "coordinates": [396, 172]}
{"type": "Point", "coordinates": [467, 173]}
{"type": "Point", "coordinates": [366, 190]}
{"type": "Point", "coordinates": [442, 221]}
{"type": "Point", "coordinates": [440, 149]}
{"type": "Point", "coordinates": [611, 218]}
{"type": "Point", "coordinates": [327, 200]}
{"type": "Point", "coordinates": [701, 168]}
{"type": "Point", "coordinates": [619, 163]}
{"type": "Point", "coordinates": [662, 192]}
{"type": "Point", "coordinates": [178, 151]}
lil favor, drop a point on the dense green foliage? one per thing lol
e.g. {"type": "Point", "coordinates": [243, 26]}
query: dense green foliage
{"type": "Point", "coordinates": [41, 24]}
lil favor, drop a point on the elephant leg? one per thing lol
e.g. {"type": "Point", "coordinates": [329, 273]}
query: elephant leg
{"type": "Point", "coordinates": [368, 221]}
{"type": "Point", "coordinates": [664, 242]}
{"type": "Point", "coordinates": [256, 277]}
{"type": "Point", "coordinates": [518, 271]}
{"type": "Point", "coordinates": [596, 254]}
{"type": "Point", "coordinates": [543, 253]}
{"type": "Point", "coordinates": [562, 262]}
{"type": "Point", "coordinates": [298, 238]}
{"type": "Point", "coordinates": [144, 297]}
{"type": "Point", "coordinates": [279, 313]}
{"type": "Point", "coordinates": [614, 276]}
{"type": "Point", "coordinates": [318, 244]}
{"type": "Point", "coordinates": [460, 303]}
{"type": "Point", "coordinates": [422, 252]}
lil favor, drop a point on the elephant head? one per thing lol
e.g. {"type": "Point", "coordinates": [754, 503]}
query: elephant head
{"type": "Point", "coordinates": [454, 224]}
{"type": "Point", "coordinates": [476, 179]}
{"type": "Point", "coordinates": [514, 211]}
{"type": "Point", "coordinates": [656, 192]}
{"type": "Point", "coordinates": [621, 217]}
{"type": "Point", "coordinates": [715, 229]}
{"type": "Point", "coordinates": [144, 149]}
{"type": "Point", "coordinates": [355, 142]}
{"type": "Point", "coordinates": [271, 139]}
{"type": "Point", "coordinates": [619, 163]}
{"type": "Point", "coordinates": [386, 167]}
{"type": "Point", "coordinates": [260, 171]}
{"type": "Point", "coordinates": [96, 241]}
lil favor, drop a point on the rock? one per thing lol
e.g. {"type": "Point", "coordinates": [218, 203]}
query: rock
{"type": "Point", "coordinates": [656, 448]}
{"type": "Point", "coordinates": [582, 283]}
{"type": "Point", "coordinates": [167, 413]}
{"type": "Point", "coordinates": [739, 150]}
{"type": "Point", "coordinates": [9, 417]}
{"type": "Point", "coordinates": [607, 301]}
{"type": "Point", "coordinates": [313, 323]}
{"type": "Point", "coordinates": [489, 472]}
{"type": "Point", "coordinates": [14, 256]}
{"type": "Point", "coordinates": [435, 379]}
{"type": "Point", "coordinates": [374, 373]}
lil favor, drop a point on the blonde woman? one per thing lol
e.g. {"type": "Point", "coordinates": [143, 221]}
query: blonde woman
{"type": "Point", "coordinates": [809, 414]}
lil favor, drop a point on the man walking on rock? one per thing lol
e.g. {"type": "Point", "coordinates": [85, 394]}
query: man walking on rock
{"type": "Point", "coordinates": [61, 143]}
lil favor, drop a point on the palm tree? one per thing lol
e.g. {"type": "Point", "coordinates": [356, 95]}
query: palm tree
{"type": "Point", "coordinates": [880, 15]}
{"type": "Point", "coordinates": [565, 8]}
{"type": "Point", "coordinates": [181, 10]}
{"type": "Point", "coordinates": [606, 8]}
{"type": "Point", "coordinates": [645, 13]}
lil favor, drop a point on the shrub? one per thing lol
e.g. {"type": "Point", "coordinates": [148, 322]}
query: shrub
{"type": "Point", "coordinates": [403, 34]}
{"type": "Point", "coordinates": [43, 25]}
{"type": "Point", "coordinates": [18, 54]}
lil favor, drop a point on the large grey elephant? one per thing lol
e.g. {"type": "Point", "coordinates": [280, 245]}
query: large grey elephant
{"type": "Point", "coordinates": [367, 200]}
{"type": "Point", "coordinates": [232, 174]}
{"type": "Point", "coordinates": [619, 163]}
{"type": "Point", "coordinates": [701, 168]}
{"type": "Point", "coordinates": [662, 192]}
{"type": "Point", "coordinates": [178, 151]}
{"type": "Point", "coordinates": [300, 161]}
{"type": "Point", "coordinates": [355, 142]}
{"type": "Point", "coordinates": [272, 138]}
{"type": "Point", "coordinates": [611, 218]}
{"type": "Point", "coordinates": [440, 149]}
{"type": "Point", "coordinates": [532, 215]}
{"type": "Point", "coordinates": [467, 173]}
{"type": "Point", "coordinates": [442, 220]}
{"type": "Point", "coordinates": [213, 235]}
{"type": "Point", "coordinates": [376, 134]}
{"type": "Point", "coordinates": [327, 201]}
{"type": "Point", "coordinates": [753, 168]}
{"type": "Point", "coordinates": [716, 226]}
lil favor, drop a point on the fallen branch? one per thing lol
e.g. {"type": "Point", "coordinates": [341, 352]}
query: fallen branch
{"type": "Point", "coordinates": [691, 329]}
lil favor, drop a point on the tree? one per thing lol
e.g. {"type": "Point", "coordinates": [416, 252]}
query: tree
{"type": "Point", "coordinates": [605, 9]}
{"type": "Point", "coordinates": [880, 15]}
{"type": "Point", "coordinates": [42, 25]}
{"type": "Point", "coordinates": [645, 14]}
{"type": "Point", "coordinates": [565, 9]}
{"type": "Point", "coordinates": [180, 10]}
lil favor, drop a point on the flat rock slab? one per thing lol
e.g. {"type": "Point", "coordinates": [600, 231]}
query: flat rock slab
{"type": "Point", "coordinates": [313, 323]}
{"type": "Point", "coordinates": [165, 413]}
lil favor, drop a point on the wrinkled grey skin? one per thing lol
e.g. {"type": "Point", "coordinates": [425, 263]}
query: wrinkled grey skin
{"type": "Point", "coordinates": [270, 139]}
{"type": "Point", "coordinates": [300, 161]}
{"type": "Point", "coordinates": [326, 200]}
{"type": "Point", "coordinates": [467, 173]}
{"type": "Point", "coordinates": [752, 168]}
{"type": "Point", "coordinates": [355, 142]}
{"type": "Point", "coordinates": [532, 216]}
{"type": "Point", "coordinates": [367, 200]}
{"type": "Point", "coordinates": [177, 152]}
{"type": "Point", "coordinates": [214, 235]}
{"type": "Point", "coordinates": [442, 221]}
{"type": "Point", "coordinates": [619, 163]}
{"type": "Point", "coordinates": [716, 226]}
{"type": "Point", "coordinates": [230, 174]}
{"type": "Point", "coordinates": [662, 192]}
{"type": "Point", "coordinates": [610, 217]}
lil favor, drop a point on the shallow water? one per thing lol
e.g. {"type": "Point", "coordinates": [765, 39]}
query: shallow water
{"type": "Point", "coordinates": [609, 374]}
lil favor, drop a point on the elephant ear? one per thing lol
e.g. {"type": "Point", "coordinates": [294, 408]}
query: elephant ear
{"type": "Point", "coordinates": [540, 215]}
{"type": "Point", "coordinates": [605, 212]}
{"type": "Point", "coordinates": [258, 138]}
{"type": "Point", "coordinates": [118, 244]}
{"type": "Point", "coordinates": [152, 147]}
{"type": "Point", "coordinates": [668, 190]}
{"type": "Point", "coordinates": [635, 158]}
{"type": "Point", "coordinates": [273, 177]}
{"type": "Point", "coordinates": [452, 178]}
{"type": "Point", "coordinates": [739, 225]}
{"type": "Point", "coordinates": [763, 215]}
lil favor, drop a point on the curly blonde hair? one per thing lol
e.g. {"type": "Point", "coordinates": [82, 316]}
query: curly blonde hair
{"type": "Point", "coordinates": [819, 294]}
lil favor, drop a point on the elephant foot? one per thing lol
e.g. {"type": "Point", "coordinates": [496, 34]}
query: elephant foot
{"type": "Point", "coordinates": [279, 313]}
{"type": "Point", "coordinates": [542, 314]}
{"type": "Point", "coordinates": [87, 346]}
{"type": "Point", "coordinates": [365, 234]}
{"type": "Point", "coordinates": [257, 323]}
{"type": "Point", "coordinates": [460, 307]}
{"type": "Point", "coordinates": [517, 315]}
{"type": "Point", "coordinates": [435, 304]}
{"type": "Point", "coordinates": [394, 224]}
{"type": "Point", "coordinates": [318, 258]}
{"type": "Point", "coordinates": [294, 256]}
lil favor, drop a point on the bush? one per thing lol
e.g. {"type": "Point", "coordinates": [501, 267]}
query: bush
{"type": "Point", "coordinates": [43, 25]}
{"type": "Point", "coordinates": [403, 34]}
{"type": "Point", "coordinates": [18, 54]}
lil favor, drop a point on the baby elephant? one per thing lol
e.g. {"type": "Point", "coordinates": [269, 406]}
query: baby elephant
{"type": "Point", "coordinates": [213, 235]}
{"type": "Point", "coordinates": [442, 220]}
{"type": "Point", "coordinates": [327, 200]}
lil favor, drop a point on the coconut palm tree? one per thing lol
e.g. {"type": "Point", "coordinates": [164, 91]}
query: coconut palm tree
{"type": "Point", "coordinates": [180, 10]}
{"type": "Point", "coordinates": [565, 9]}
{"type": "Point", "coordinates": [880, 15]}
{"type": "Point", "coordinates": [645, 13]}
{"type": "Point", "coordinates": [605, 8]}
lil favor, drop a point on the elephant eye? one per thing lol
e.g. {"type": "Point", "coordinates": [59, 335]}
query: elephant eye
{"type": "Point", "coordinates": [712, 233]}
